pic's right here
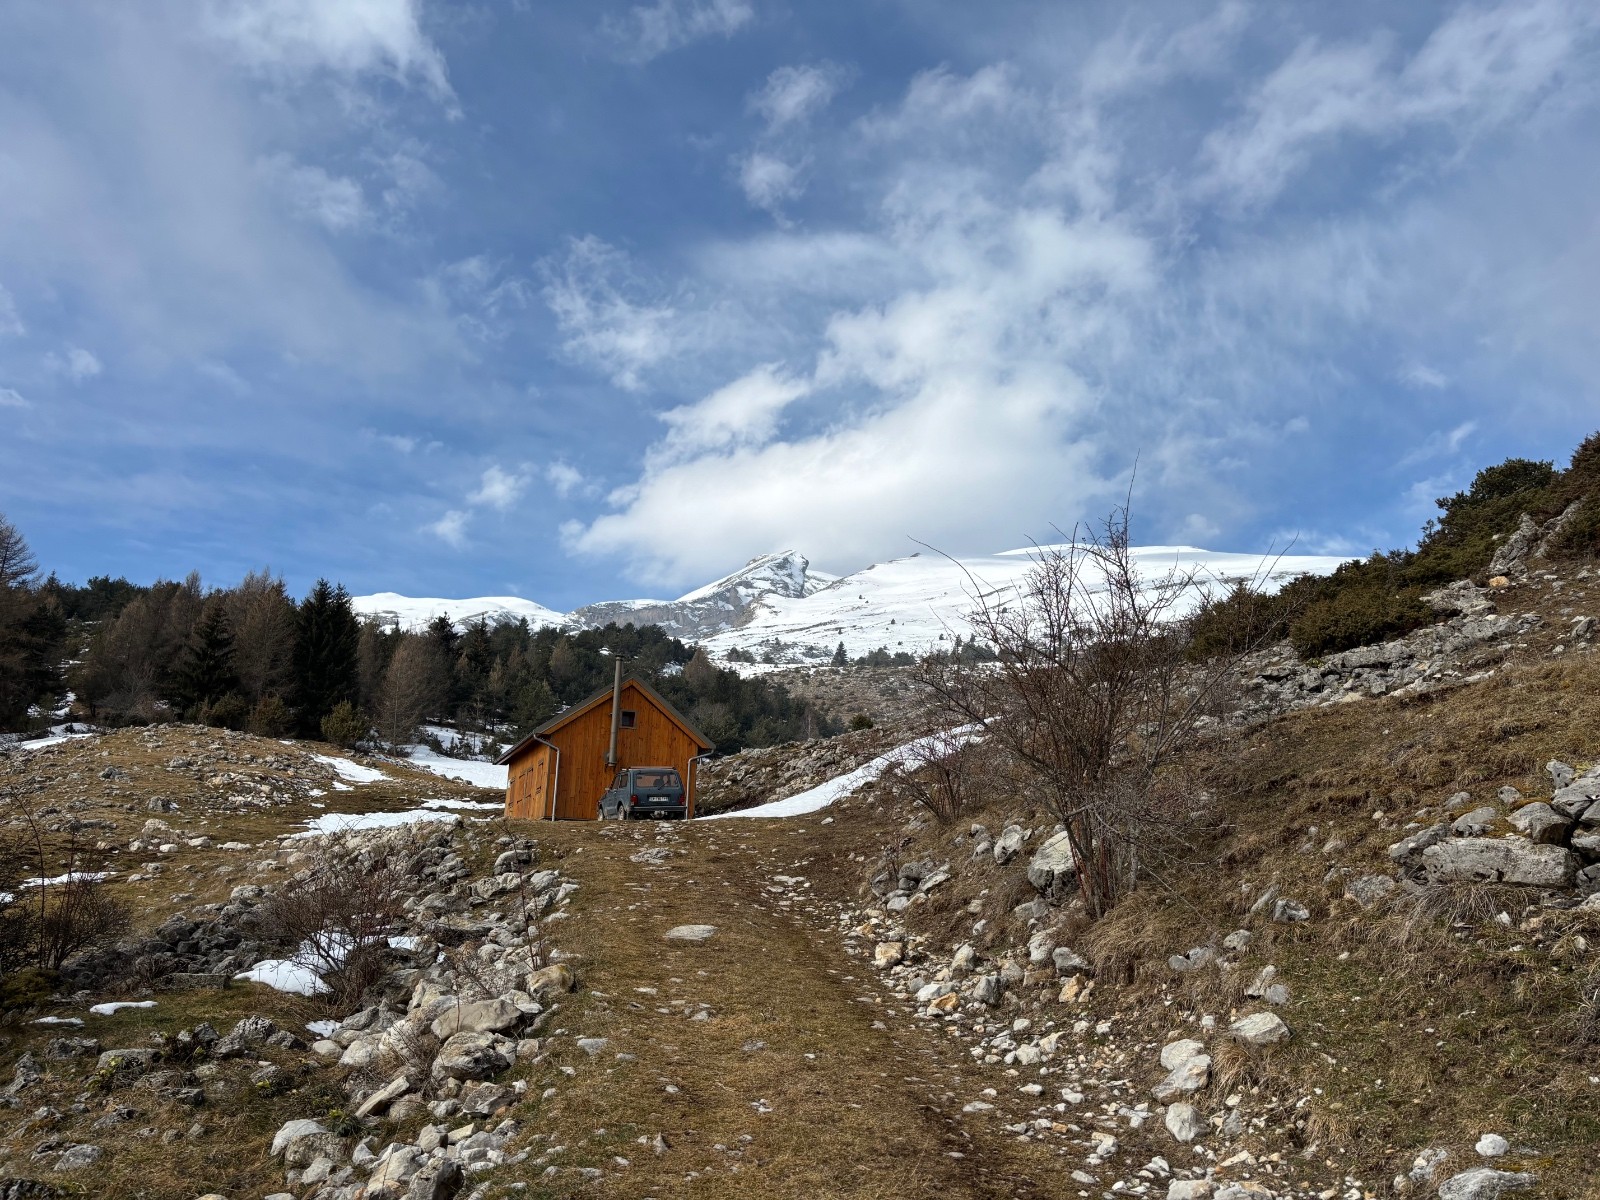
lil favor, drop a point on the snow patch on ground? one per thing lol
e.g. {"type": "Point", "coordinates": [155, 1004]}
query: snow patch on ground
{"type": "Point", "coordinates": [468, 770]}
{"type": "Point", "coordinates": [841, 786]}
{"type": "Point", "coordinates": [352, 771]}
{"type": "Point", "coordinates": [322, 1028]}
{"type": "Point", "coordinates": [464, 805]}
{"type": "Point", "coordinates": [69, 877]}
{"type": "Point", "coordinates": [285, 975]}
{"type": "Point", "coordinates": [57, 1021]}
{"type": "Point", "coordinates": [350, 822]}
{"type": "Point", "coordinates": [57, 735]}
{"type": "Point", "coordinates": [112, 1006]}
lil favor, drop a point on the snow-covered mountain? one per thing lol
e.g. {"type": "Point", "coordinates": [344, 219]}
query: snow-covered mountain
{"type": "Point", "coordinates": [778, 609]}
{"type": "Point", "coordinates": [723, 604]}
{"type": "Point", "coordinates": [414, 612]}
{"type": "Point", "coordinates": [913, 603]}
{"type": "Point", "coordinates": [728, 603]}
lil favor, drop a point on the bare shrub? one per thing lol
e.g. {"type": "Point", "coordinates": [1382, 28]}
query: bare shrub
{"type": "Point", "coordinates": [1094, 696]}
{"type": "Point", "coordinates": [42, 924]}
{"type": "Point", "coordinates": [941, 773]}
{"type": "Point", "coordinates": [339, 919]}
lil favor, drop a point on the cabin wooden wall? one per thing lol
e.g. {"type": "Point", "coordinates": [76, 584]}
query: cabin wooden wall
{"type": "Point", "coordinates": [655, 741]}
{"type": "Point", "coordinates": [528, 784]}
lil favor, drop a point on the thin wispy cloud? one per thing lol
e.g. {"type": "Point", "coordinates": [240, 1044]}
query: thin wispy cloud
{"type": "Point", "coordinates": [648, 31]}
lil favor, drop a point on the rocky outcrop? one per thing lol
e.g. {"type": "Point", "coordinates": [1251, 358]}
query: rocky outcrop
{"type": "Point", "coordinates": [1552, 844]}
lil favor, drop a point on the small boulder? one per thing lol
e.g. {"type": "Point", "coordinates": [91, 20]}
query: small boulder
{"type": "Point", "coordinates": [1052, 867]}
{"type": "Point", "coordinates": [690, 933]}
{"type": "Point", "coordinates": [474, 1056]}
{"type": "Point", "coordinates": [477, 1016]}
{"type": "Point", "coordinates": [1174, 1054]}
{"type": "Point", "coordinates": [1475, 823]}
{"type": "Point", "coordinates": [1190, 1075]}
{"type": "Point", "coordinates": [555, 979]}
{"type": "Point", "coordinates": [1184, 1121]}
{"type": "Point", "coordinates": [77, 1157]}
{"type": "Point", "coordinates": [1287, 911]}
{"type": "Point", "coordinates": [1259, 1029]}
{"type": "Point", "coordinates": [1367, 890]}
{"type": "Point", "coordinates": [887, 954]}
{"type": "Point", "coordinates": [1485, 1183]}
{"type": "Point", "coordinates": [1540, 823]}
{"type": "Point", "coordinates": [1009, 844]}
{"type": "Point", "coordinates": [1510, 859]}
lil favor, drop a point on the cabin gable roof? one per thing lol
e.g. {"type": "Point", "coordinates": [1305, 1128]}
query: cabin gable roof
{"type": "Point", "coordinates": [577, 710]}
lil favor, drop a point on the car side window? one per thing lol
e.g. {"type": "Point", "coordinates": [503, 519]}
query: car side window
{"type": "Point", "coordinates": [621, 781]}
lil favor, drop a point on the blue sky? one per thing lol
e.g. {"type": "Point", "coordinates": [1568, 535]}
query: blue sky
{"type": "Point", "coordinates": [584, 300]}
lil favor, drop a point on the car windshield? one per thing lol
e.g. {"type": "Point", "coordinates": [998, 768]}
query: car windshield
{"type": "Point", "coordinates": [654, 779]}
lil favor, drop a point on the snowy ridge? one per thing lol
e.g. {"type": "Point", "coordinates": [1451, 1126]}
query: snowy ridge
{"type": "Point", "coordinates": [414, 612]}
{"type": "Point", "coordinates": [777, 606]}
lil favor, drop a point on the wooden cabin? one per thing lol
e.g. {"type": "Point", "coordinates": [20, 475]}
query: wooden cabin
{"type": "Point", "coordinates": [560, 769]}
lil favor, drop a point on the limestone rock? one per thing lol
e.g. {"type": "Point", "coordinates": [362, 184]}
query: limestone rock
{"type": "Point", "coordinates": [1190, 1075]}
{"type": "Point", "coordinates": [1009, 844]}
{"type": "Point", "coordinates": [1510, 859]}
{"type": "Point", "coordinates": [690, 933]}
{"type": "Point", "coordinates": [1176, 1053]}
{"type": "Point", "coordinates": [474, 1056]}
{"type": "Point", "coordinates": [477, 1016]}
{"type": "Point", "coordinates": [1259, 1029]}
{"type": "Point", "coordinates": [1184, 1121]}
{"type": "Point", "coordinates": [1367, 890]}
{"type": "Point", "coordinates": [1051, 868]}
{"type": "Point", "coordinates": [1485, 1183]}
{"type": "Point", "coordinates": [1540, 823]}
{"type": "Point", "coordinates": [1410, 849]}
{"type": "Point", "coordinates": [1475, 823]}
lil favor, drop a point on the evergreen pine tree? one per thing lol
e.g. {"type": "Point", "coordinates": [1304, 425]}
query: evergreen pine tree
{"type": "Point", "coordinates": [840, 658]}
{"type": "Point", "coordinates": [206, 671]}
{"type": "Point", "coordinates": [326, 649]}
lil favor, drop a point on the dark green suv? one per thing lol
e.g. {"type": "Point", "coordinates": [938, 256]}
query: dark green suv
{"type": "Point", "coordinates": [644, 792]}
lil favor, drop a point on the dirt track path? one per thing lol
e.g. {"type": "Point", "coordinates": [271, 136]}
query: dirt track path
{"type": "Point", "coordinates": [768, 1059]}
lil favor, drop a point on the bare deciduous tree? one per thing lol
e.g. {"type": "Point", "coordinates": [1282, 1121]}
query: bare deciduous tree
{"type": "Point", "coordinates": [1093, 696]}
{"type": "Point", "coordinates": [414, 686]}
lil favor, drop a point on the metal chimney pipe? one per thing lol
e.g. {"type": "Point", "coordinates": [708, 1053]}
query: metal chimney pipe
{"type": "Point", "coordinates": [616, 714]}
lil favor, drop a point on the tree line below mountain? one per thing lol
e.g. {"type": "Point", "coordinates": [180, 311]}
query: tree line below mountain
{"type": "Point", "coordinates": [253, 657]}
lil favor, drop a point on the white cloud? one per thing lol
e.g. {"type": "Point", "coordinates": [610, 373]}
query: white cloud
{"type": "Point", "coordinates": [1421, 375]}
{"type": "Point", "coordinates": [744, 413]}
{"type": "Point", "coordinates": [349, 36]}
{"type": "Point", "coordinates": [1480, 68]}
{"type": "Point", "coordinates": [451, 528]}
{"type": "Point", "coordinates": [332, 201]}
{"type": "Point", "coordinates": [76, 364]}
{"type": "Point", "coordinates": [599, 322]}
{"type": "Point", "coordinates": [648, 31]}
{"type": "Point", "coordinates": [975, 401]}
{"type": "Point", "coordinates": [767, 180]}
{"type": "Point", "coordinates": [564, 478]}
{"type": "Point", "coordinates": [11, 398]}
{"type": "Point", "coordinates": [499, 489]}
{"type": "Point", "coordinates": [793, 94]}
{"type": "Point", "coordinates": [10, 321]}
{"type": "Point", "coordinates": [1442, 443]}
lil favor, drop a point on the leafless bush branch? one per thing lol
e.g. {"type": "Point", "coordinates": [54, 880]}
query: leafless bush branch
{"type": "Point", "coordinates": [338, 919]}
{"type": "Point", "coordinates": [1093, 694]}
{"type": "Point", "coordinates": [941, 773]}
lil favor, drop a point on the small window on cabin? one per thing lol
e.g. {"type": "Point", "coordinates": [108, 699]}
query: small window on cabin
{"type": "Point", "coordinates": [628, 719]}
